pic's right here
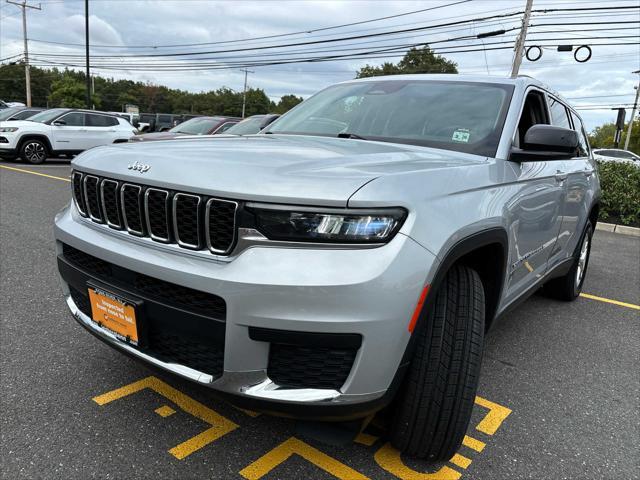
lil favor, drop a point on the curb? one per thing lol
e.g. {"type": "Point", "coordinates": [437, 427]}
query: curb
{"type": "Point", "coordinates": [622, 229]}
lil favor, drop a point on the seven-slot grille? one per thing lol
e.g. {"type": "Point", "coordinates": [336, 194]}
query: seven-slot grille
{"type": "Point", "coordinates": [191, 221]}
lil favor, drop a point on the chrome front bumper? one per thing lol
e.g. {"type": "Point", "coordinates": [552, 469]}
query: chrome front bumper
{"type": "Point", "coordinates": [255, 384]}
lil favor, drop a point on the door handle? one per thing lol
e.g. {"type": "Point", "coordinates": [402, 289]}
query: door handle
{"type": "Point", "coordinates": [561, 176]}
{"type": "Point", "coordinates": [587, 172]}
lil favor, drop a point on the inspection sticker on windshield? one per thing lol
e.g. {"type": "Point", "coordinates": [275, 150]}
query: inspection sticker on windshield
{"type": "Point", "coordinates": [461, 135]}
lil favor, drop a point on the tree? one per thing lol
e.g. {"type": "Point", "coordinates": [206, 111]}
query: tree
{"type": "Point", "coordinates": [602, 136]}
{"type": "Point", "coordinates": [286, 103]}
{"type": "Point", "coordinates": [416, 60]}
{"type": "Point", "coordinates": [70, 93]}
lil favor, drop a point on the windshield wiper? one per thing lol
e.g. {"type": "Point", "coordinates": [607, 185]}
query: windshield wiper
{"type": "Point", "coordinates": [351, 135]}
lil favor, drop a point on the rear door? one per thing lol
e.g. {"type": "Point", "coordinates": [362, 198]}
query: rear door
{"type": "Point", "coordinates": [69, 132]}
{"type": "Point", "coordinates": [100, 129]}
{"type": "Point", "coordinates": [579, 172]}
{"type": "Point", "coordinates": [533, 213]}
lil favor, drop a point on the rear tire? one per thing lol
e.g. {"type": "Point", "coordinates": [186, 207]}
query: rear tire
{"type": "Point", "coordinates": [34, 151]}
{"type": "Point", "coordinates": [434, 406]}
{"type": "Point", "coordinates": [569, 286]}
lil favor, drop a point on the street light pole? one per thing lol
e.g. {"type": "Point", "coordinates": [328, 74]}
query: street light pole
{"type": "Point", "coordinates": [244, 92]}
{"type": "Point", "coordinates": [86, 41]}
{"type": "Point", "coordinates": [633, 112]}
{"type": "Point", "coordinates": [27, 73]}
{"type": "Point", "coordinates": [519, 48]}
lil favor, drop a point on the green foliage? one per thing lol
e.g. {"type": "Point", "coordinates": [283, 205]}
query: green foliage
{"type": "Point", "coordinates": [286, 103]}
{"type": "Point", "coordinates": [54, 88]}
{"type": "Point", "coordinates": [416, 60]}
{"type": "Point", "coordinates": [620, 183]}
{"type": "Point", "coordinates": [602, 136]}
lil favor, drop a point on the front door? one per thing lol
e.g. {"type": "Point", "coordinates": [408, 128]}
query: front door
{"type": "Point", "coordinates": [69, 133]}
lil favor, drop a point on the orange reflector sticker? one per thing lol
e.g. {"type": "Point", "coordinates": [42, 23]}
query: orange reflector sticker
{"type": "Point", "coordinates": [416, 312]}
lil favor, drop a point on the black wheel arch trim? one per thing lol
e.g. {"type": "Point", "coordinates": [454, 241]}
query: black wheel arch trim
{"type": "Point", "coordinates": [35, 136]}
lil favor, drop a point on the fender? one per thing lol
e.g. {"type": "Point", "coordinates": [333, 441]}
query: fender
{"type": "Point", "coordinates": [32, 136]}
{"type": "Point", "coordinates": [475, 241]}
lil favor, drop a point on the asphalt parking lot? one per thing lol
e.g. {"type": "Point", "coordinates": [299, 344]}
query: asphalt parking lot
{"type": "Point", "coordinates": [559, 394]}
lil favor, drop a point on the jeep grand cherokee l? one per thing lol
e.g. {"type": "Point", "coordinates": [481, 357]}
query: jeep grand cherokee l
{"type": "Point", "coordinates": [350, 258]}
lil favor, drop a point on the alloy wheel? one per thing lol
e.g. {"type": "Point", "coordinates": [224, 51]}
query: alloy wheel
{"type": "Point", "coordinates": [35, 152]}
{"type": "Point", "coordinates": [582, 261]}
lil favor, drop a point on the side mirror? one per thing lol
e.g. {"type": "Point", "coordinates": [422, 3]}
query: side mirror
{"type": "Point", "coordinates": [546, 142]}
{"type": "Point", "coordinates": [59, 123]}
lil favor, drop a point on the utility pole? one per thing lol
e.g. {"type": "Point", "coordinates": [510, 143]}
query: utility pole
{"type": "Point", "coordinates": [633, 112]}
{"type": "Point", "coordinates": [86, 42]}
{"type": "Point", "coordinates": [519, 48]}
{"type": "Point", "coordinates": [244, 93]}
{"type": "Point", "coordinates": [27, 74]}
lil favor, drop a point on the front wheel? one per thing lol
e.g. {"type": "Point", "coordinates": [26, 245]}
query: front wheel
{"type": "Point", "coordinates": [34, 151]}
{"type": "Point", "coordinates": [434, 406]}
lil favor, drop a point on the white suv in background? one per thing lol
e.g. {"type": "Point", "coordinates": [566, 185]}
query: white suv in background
{"type": "Point", "coordinates": [61, 131]}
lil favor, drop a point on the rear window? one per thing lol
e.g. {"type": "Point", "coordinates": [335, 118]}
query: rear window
{"type": "Point", "coordinates": [101, 121]}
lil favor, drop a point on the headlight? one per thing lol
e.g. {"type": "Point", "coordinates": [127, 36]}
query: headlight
{"type": "Point", "coordinates": [8, 129]}
{"type": "Point", "coordinates": [339, 226]}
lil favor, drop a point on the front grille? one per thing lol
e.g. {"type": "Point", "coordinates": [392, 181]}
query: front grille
{"type": "Point", "coordinates": [187, 220]}
{"type": "Point", "coordinates": [192, 221]}
{"type": "Point", "coordinates": [185, 298]}
{"type": "Point", "coordinates": [78, 193]}
{"type": "Point", "coordinates": [91, 198]}
{"type": "Point", "coordinates": [309, 367]}
{"type": "Point", "coordinates": [131, 208]}
{"type": "Point", "coordinates": [111, 203]}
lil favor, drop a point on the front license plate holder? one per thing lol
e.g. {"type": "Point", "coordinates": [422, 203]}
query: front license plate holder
{"type": "Point", "coordinates": [120, 314]}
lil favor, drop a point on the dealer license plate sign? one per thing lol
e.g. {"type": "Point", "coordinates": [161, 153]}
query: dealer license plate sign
{"type": "Point", "coordinates": [115, 314]}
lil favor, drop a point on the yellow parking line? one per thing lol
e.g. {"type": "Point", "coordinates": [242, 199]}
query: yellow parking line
{"type": "Point", "coordinates": [608, 300]}
{"type": "Point", "coordinates": [35, 173]}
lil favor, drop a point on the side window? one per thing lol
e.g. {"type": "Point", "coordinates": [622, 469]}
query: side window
{"type": "Point", "coordinates": [534, 112]}
{"type": "Point", "coordinates": [225, 127]}
{"type": "Point", "coordinates": [23, 114]}
{"type": "Point", "coordinates": [74, 119]}
{"type": "Point", "coordinates": [100, 121]}
{"type": "Point", "coordinates": [164, 118]}
{"type": "Point", "coordinates": [582, 136]}
{"type": "Point", "coordinates": [558, 113]}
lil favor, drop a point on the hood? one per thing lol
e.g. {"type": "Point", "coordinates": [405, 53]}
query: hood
{"type": "Point", "coordinates": [156, 136]}
{"type": "Point", "coordinates": [22, 123]}
{"type": "Point", "coordinates": [270, 168]}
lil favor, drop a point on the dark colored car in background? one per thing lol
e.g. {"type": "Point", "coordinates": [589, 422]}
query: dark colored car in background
{"type": "Point", "coordinates": [194, 126]}
{"type": "Point", "coordinates": [252, 124]}
{"type": "Point", "coordinates": [18, 113]}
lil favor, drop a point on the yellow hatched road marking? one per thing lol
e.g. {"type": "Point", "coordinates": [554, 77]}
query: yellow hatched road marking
{"type": "Point", "coordinates": [35, 173]}
{"type": "Point", "coordinates": [460, 461]}
{"type": "Point", "coordinates": [608, 300]}
{"type": "Point", "coordinates": [365, 439]}
{"type": "Point", "coordinates": [165, 411]}
{"type": "Point", "coordinates": [389, 458]}
{"type": "Point", "coordinates": [219, 425]}
{"type": "Point", "coordinates": [473, 444]}
{"type": "Point", "coordinates": [492, 421]}
{"type": "Point", "coordinates": [291, 446]}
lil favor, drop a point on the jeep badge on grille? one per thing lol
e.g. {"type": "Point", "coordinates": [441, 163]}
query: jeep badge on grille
{"type": "Point", "coordinates": [140, 167]}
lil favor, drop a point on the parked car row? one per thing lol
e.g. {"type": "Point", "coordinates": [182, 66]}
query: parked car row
{"type": "Point", "coordinates": [34, 134]}
{"type": "Point", "coordinates": [616, 155]}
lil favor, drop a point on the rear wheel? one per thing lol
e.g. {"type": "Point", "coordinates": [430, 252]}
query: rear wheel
{"type": "Point", "coordinates": [569, 286]}
{"type": "Point", "coordinates": [434, 406]}
{"type": "Point", "coordinates": [34, 151]}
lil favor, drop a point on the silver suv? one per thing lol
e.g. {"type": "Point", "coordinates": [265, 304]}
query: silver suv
{"type": "Point", "coordinates": [350, 258]}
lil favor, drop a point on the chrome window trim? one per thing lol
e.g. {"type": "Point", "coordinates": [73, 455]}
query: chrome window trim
{"type": "Point", "coordinates": [146, 214]}
{"type": "Point", "coordinates": [104, 210]}
{"type": "Point", "coordinates": [124, 213]}
{"type": "Point", "coordinates": [86, 198]}
{"type": "Point", "coordinates": [81, 211]}
{"type": "Point", "coordinates": [175, 221]}
{"type": "Point", "coordinates": [206, 225]}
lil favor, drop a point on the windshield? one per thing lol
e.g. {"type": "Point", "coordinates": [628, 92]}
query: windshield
{"type": "Point", "coordinates": [197, 126]}
{"type": "Point", "coordinates": [248, 126]}
{"type": "Point", "coordinates": [8, 112]}
{"type": "Point", "coordinates": [48, 115]}
{"type": "Point", "coordinates": [462, 116]}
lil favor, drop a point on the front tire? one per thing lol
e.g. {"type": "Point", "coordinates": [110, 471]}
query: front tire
{"type": "Point", "coordinates": [569, 286]}
{"type": "Point", "coordinates": [34, 151]}
{"type": "Point", "coordinates": [434, 406]}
